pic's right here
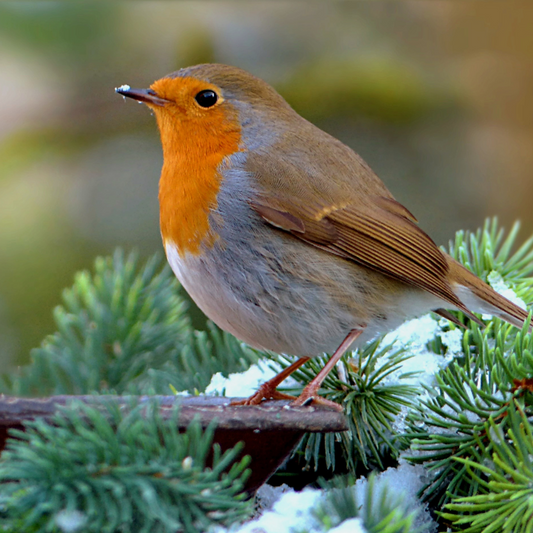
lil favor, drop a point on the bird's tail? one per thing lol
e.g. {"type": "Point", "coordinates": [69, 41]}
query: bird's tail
{"type": "Point", "coordinates": [478, 296]}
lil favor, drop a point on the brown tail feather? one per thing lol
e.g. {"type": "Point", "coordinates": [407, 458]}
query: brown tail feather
{"type": "Point", "coordinates": [481, 298]}
{"type": "Point", "coordinates": [444, 313]}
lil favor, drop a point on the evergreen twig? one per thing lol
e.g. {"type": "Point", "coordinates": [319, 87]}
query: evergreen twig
{"type": "Point", "coordinates": [488, 250]}
{"type": "Point", "coordinates": [380, 510]}
{"type": "Point", "coordinates": [496, 369]}
{"type": "Point", "coordinates": [192, 366]}
{"type": "Point", "coordinates": [110, 471]}
{"type": "Point", "coordinates": [502, 503]}
{"type": "Point", "coordinates": [124, 329]}
{"type": "Point", "coordinates": [371, 403]}
{"type": "Point", "coordinates": [489, 254]}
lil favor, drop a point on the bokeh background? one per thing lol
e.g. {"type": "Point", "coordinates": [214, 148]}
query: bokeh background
{"type": "Point", "coordinates": [436, 95]}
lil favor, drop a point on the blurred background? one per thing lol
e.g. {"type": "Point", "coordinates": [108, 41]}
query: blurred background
{"type": "Point", "coordinates": [436, 96]}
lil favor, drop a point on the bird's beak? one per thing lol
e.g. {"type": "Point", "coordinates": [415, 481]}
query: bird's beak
{"type": "Point", "coordinates": [141, 95]}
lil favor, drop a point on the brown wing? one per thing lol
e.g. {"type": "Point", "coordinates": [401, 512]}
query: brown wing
{"type": "Point", "coordinates": [321, 191]}
{"type": "Point", "coordinates": [379, 234]}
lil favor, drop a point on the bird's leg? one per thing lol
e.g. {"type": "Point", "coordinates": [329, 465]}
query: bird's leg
{"type": "Point", "coordinates": [310, 393]}
{"type": "Point", "coordinates": [267, 391]}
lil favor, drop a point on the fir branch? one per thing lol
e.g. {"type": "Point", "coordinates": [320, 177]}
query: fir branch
{"type": "Point", "coordinates": [380, 510]}
{"type": "Point", "coordinates": [124, 329]}
{"type": "Point", "coordinates": [371, 410]}
{"type": "Point", "coordinates": [204, 354]}
{"type": "Point", "coordinates": [488, 250]}
{"type": "Point", "coordinates": [113, 325]}
{"type": "Point", "coordinates": [446, 428]}
{"type": "Point", "coordinates": [371, 401]}
{"type": "Point", "coordinates": [488, 253]}
{"type": "Point", "coordinates": [502, 503]}
{"type": "Point", "coordinates": [112, 471]}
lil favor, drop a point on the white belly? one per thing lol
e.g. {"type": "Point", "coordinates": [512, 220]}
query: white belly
{"type": "Point", "coordinates": [275, 307]}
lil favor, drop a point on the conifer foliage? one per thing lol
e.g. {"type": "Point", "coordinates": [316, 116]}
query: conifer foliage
{"type": "Point", "coordinates": [107, 471]}
{"type": "Point", "coordinates": [124, 329]}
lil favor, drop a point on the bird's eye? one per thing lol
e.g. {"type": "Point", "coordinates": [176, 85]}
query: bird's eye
{"type": "Point", "coordinates": [206, 98]}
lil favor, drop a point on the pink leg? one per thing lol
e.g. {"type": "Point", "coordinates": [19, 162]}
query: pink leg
{"type": "Point", "coordinates": [267, 391]}
{"type": "Point", "coordinates": [310, 393]}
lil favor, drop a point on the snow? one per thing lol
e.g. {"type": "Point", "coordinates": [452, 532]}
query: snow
{"type": "Point", "coordinates": [267, 496]}
{"type": "Point", "coordinates": [498, 284]}
{"type": "Point", "coordinates": [453, 339]}
{"type": "Point", "coordinates": [406, 480]}
{"type": "Point", "coordinates": [296, 511]}
{"type": "Point", "coordinates": [244, 384]}
{"type": "Point", "coordinates": [354, 525]}
{"type": "Point", "coordinates": [123, 88]}
{"type": "Point", "coordinates": [414, 336]}
{"type": "Point", "coordinates": [417, 332]}
{"type": "Point", "coordinates": [291, 512]}
{"type": "Point", "coordinates": [70, 521]}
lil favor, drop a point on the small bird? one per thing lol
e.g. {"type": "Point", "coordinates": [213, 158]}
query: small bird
{"type": "Point", "coordinates": [283, 235]}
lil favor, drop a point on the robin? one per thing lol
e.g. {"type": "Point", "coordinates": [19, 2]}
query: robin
{"type": "Point", "coordinates": [283, 235]}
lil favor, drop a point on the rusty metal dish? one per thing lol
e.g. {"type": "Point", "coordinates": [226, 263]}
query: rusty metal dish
{"type": "Point", "coordinates": [270, 431]}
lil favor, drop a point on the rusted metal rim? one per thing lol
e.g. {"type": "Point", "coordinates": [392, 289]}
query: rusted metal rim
{"type": "Point", "coordinates": [270, 431]}
{"type": "Point", "coordinates": [272, 415]}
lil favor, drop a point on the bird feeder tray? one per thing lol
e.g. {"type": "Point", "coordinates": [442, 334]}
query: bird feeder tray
{"type": "Point", "coordinates": [270, 431]}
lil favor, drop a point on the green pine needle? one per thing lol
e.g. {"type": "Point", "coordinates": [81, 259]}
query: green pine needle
{"type": "Point", "coordinates": [112, 472]}
{"type": "Point", "coordinates": [446, 427]}
{"type": "Point", "coordinates": [381, 511]}
{"type": "Point", "coordinates": [496, 369]}
{"type": "Point", "coordinates": [125, 329]}
{"type": "Point", "coordinates": [204, 354]}
{"type": "Point", "coordinates": [488, 250]}
{"type": "Point", "coordinates": [503, 502]}
{"type": "Point", "coordinates": [371, 404]}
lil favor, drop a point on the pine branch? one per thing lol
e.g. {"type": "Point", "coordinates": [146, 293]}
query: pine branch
{"type": "Point", "coordinates": [371, 407]}
{"type": "Point", "coordinates": [192, 366]}
{"type": "Point", "coordinates": [109, 471]}
{"type": "Point", "coordinates": [503, 501]}
{"type": "Point", "coordinates": [371, 401]}
{"type": "Point", "coordinates": [470, 392]}
{"type": "Point", "coordinates": [488, 253]}
{"type": "Point", "coordinates": [488, 250]}
{"type": "Point", "coordinates": [380, 510]}
{"type": "Point", "coordinates": [124, 329]}
{"type": "Point", "coordinates": [496, 370]}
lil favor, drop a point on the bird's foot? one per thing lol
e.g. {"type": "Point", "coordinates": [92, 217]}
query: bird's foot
{"type": "Point", "coordinates": [310, 396]}
{"type": "Point", "coordinates": [264, 393]}
{"type": "Point", "coordinates": [267, 391]}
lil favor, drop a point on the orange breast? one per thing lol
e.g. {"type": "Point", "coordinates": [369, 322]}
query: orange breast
{"type": "Point", "coordinates": [194, 149]}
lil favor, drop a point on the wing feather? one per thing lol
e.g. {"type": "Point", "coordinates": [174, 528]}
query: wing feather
{"type": "Point", "coordinates": [339, 205]}
{"type": "Point", "coordinates": [371, 236]}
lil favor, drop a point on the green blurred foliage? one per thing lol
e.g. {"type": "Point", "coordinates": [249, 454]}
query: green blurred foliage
{"type": "Point", "coordinates": [385, 89]}
{"type": "Point", "coordinates": [73, 34]}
